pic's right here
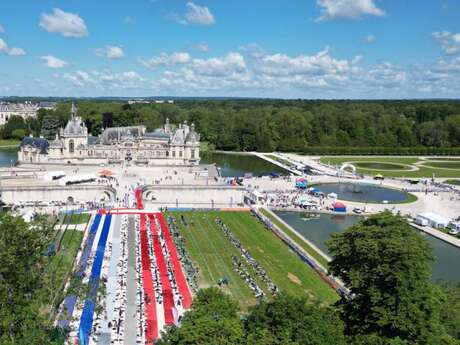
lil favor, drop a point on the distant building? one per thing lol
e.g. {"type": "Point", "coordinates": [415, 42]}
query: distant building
{"type": "Point", "coordinates": [24, 110]}
{"type": "Point", "coordinates": [143, 101]}
{"type": "Point", "coordinates": [73, 144]}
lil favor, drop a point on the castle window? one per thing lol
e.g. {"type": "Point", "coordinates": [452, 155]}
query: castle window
{"type": "Point", "coordinates": [71, 146]}
{"type": "Point", "coordinates": [180, 154]}
{"type": "Point", "coordinates": [174, 153]}
{"type": "Point", "coordinates": [192, 153]}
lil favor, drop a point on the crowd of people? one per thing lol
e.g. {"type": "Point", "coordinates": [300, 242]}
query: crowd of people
{"type": "Point", "coordinates": [140, 297]}
{"type": "Point", "coordinates": [248, 258]}
{"type": "Point", "coordinates": [171, 274]}
{"type": "Point", "coordinates": [112, 321]}
{"type": "Point", "coordinates": [179, 241]}
{"type": "Point", "coordinates": [291, 198]}
{"type": "Point", "coordinates": [246, 276]}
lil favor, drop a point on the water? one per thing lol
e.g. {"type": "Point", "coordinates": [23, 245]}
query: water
{"type": "Point", "coordinates": [8, 156]}
{"type": "Point", "coordinates": [363, 192]}
{"type": "Point", "coordinates": [318, 231]}
{"type": "Point", "coordinates": [235, 165]}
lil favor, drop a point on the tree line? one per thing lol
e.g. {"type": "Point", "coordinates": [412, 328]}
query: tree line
{"type": "Point", "coordinates": [281, 125]}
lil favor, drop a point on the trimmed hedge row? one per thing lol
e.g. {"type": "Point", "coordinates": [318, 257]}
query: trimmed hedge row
{"type": "Point", "coordinates": [396, 151]}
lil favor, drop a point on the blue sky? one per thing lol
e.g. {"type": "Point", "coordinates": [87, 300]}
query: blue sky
{"type": "Point", "coordinates": [251, 48]}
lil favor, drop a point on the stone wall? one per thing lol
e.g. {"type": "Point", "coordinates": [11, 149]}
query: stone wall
{"type": "Point", "coordinates": [193, 196]}
{"type": "Point", "coordinates": [76, 193]}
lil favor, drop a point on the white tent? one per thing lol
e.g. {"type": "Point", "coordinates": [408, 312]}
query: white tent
{"type": "Point", "coordinates": [434, 220]}
{"type": "Point", "coordinates": [332, 195]}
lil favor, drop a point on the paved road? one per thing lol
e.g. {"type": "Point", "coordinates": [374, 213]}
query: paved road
{"type": "Point", "coordinates": [130, 320]}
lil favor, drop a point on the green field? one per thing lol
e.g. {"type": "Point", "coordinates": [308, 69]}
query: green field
{"type": "Point", "coordinates": [60, 265]}
{"type": "Point", "coordinates": [441, 164]}
{"type": "Point", "coordinates": [211, 251]}
{"type": "Point", "coordinates": [453, 181]}
{"type": "Point", "coordinates": [422, 171]}
{"type": "Point", "coordinates": [9, 142]}
{"type": "Point", "coordinates": [381, 166]}
{"type": "Point", "coordinates": [79, 218]}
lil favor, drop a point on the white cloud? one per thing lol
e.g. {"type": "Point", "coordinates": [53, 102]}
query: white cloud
{"type": "Point", "coordinates": [105, 80]}
{"type": "Point", "coordinates": [370, 39]}
{"type": "Point", "coordinates": [202, 47]}
{"type": "Point", "coordinates": [450, 42]}
{"type": "Point", "coordinates": [110, 52]}
{"type": "Point", "coordinates": [2, 29]}
{"type": "Point", "coordinates": [227, 65]}
{"type": "Point", "coordinates": [253, 50]}
{"type": "Point", "coordinates": [385, 75]}
{"type": "Point", "coordinates": [198, 15]}
{"type": "Point", "coordinates": [53, 62]}
{"type": "Point", "coordinates": [347, 9]}
{"type": "Point", "coordinates": [318, 65]}
{"type": "Point", "coordinates": [10, 51]}
{"type": "Point", "coordinates": [65, 23]}
{"type": "Point", "coordinates": [16, 52]}
{"type": "Point", "coordinates": [167, 60]}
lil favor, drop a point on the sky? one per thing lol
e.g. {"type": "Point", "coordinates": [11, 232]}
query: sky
{"type": "Point", "coordinates": [328, 49]}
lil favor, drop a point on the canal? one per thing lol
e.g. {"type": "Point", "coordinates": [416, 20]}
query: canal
{"type": "Point", "coordinates": [236, 165]}
{"type": "Point", "coordinates": [320, 227]}
{"type": "Point", "coordinates": [8, 156]}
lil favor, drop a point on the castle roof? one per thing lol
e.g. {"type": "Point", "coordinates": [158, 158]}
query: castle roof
{"type": "Point", "coordinates": [38, 143]}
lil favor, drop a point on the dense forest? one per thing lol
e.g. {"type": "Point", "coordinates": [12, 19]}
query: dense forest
{"type": "Point", "coordinates": [282, 125]}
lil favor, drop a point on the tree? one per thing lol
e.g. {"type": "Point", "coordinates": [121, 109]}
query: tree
{"type": "Point", "coordinates": [18, 133]}
{"type": "Point", "coordinates": [289, 320]}
{"type": "Point", "coordinates": [22, 248]}
{"type": "Point", "coordinates": [14, 123]}
{"type": "Point", "coordinates": [50, 126]}
{"type": "Point", "coordinates": [386, 265]}
{"type": "Point", "coordinates": [213, 319]}
{"type": "Point", "coordinates": [450, 311]}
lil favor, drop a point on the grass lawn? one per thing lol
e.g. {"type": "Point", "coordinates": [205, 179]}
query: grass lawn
{"type": "Point", "coordinates": [9, 142]}
{"type": "Point", "coordinates": [423, 171]}
{"type": "Point", "coordinates": [60, 265]}
{"type": "Point", "coordinates": [281, 160]}
{"type": "Point", "coordinates": [453, 181]}
{"type": "Point", "coordinates": [77, 218]}
{"type": "Point", "coordinates": [441, 164]}
{"type": "Point", "coordinates": [212, 252]}
{"type": "Point", "coordinates": [384, 159]}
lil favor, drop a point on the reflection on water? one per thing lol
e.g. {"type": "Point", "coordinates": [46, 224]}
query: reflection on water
{"type": "Point", "coordinates": [362, 192]}
{"type": "Point", "coordinates": [319, 229]}
{"type": "Point", "coordinates": [234, 165]}
{"type": "Point", "coordinates": [8, 156]}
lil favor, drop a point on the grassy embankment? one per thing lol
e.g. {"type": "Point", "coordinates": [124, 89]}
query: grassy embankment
{"type": "Point", "coordinates": [60, 265]}
{"type": "Point", "coordinates": [212, 252]}
{"type": "Point", "coordinates": [9, 143]}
